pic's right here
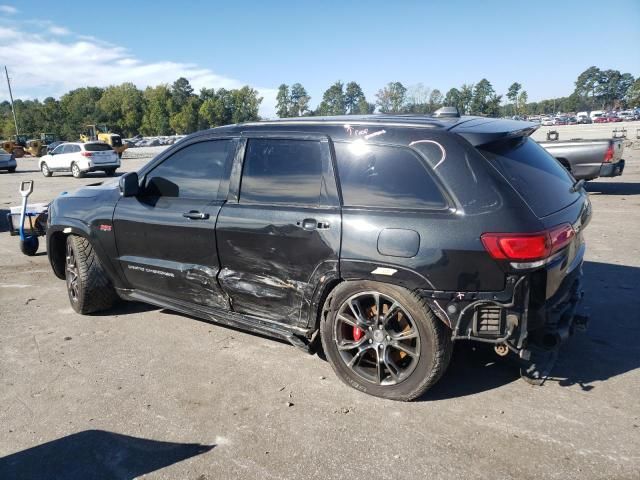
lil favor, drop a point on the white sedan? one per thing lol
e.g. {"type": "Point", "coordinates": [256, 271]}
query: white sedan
{"type": "Point", "coordinates": [80, 158]}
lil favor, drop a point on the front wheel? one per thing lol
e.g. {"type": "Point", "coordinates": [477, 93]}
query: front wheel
{"type": "Point", "coordinates": [88, 285]}
{"type": "Point", "coordinates": [383, 340]}
{"type": "Point", "coordinates": [44, 168]}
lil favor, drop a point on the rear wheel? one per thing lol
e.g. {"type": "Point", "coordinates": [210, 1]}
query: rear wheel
{"type": "Point", "coordinates": [88, 285]}
{"type": "Point", "coordinates": [110, 171]}
{"type": "Point", "coordinates": [383, 340]}
{"type": "Point", "coordinates": [44, 168]}
{"type": "Point", "coordinates": [75, 171]}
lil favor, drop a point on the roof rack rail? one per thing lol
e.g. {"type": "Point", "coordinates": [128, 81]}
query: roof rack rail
{"type": "Point", "coordinates": [446, 112]}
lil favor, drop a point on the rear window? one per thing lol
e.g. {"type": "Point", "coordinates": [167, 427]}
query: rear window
{"type": "Point", "coordinates": [381, 176]}
{"type": "Point", "coordinates": [96, 147]}
{"type": "Point", "coordinates": [536, 175]}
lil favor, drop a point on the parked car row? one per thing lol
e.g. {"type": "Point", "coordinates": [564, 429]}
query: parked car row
{"type": "Point", "coordinates": [595, 116]}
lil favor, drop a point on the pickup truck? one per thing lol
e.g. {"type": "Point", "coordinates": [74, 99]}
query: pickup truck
{"type": "Point", "coordinates": [589, 159]}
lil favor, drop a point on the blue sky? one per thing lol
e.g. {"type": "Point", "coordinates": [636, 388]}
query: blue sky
{"type": "Point", "coordinates": [542, 44]}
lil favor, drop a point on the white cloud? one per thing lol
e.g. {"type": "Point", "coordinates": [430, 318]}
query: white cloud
{"type": "Point", "coordinates": [55, 30]}
{"type": "Point", "coordinates": [43, 64]}
{"type": "Point", "coordinates": [8, 9]}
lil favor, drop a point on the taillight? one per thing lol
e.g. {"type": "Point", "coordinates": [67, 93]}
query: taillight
{"type": "Point", "coordinates": [527, 246]}
{"type": "Point", "coordinates": [608, 156]}
{"type": "Point", "coordinates": [86, 154]}
{"type": "Point", "coordinates": [561, 236]}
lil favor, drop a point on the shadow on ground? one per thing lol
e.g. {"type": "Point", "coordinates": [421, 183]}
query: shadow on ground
{"type": "Point", "coordinates": [96, 454]}
{"type": "Point", "coordinates": [613, 188]}
{"type": "Point", "coordinates": [609, 347]}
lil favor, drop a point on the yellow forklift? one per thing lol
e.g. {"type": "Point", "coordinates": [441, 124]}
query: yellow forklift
{"type": "Point", "coordinates": [38, 147]}
{"type": "Point", "coordinates": [101, 133]}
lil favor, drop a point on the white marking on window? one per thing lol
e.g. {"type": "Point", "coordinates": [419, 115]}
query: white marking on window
{"type": "Point", "coordinates": [375, 134]}
{"type": "Point", "coordinates": [444, 153]}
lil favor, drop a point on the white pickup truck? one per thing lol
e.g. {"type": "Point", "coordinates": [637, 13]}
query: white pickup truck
{"type": "Point", "coordinates": [80, 158]}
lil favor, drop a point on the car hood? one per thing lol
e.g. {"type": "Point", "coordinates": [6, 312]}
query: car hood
{"type": "Point", "coordinates": [93, 190]}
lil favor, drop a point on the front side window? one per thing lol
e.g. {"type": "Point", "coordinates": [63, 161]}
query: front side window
{"type": "Point", "coordinates": [59, 149]}
{"type": "Point", "coordinates": [282, 171]}
{"type": "Point", "coordinates": [194, 171]}
{"type": "Point", "coordinates": [386, 177]}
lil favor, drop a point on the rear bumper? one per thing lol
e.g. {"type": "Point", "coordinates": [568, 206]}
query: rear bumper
{"type": "Point", "coordinates": [98, 167]}
{"type": "Point", "coordinates": [519, 317]}
{"type": "Point", "coordinates": [612, 169]}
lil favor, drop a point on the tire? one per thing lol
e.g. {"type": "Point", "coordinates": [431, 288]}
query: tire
{"type": "Point", "coordinates": [424, 353]}
{"type": "Point", "coordinates": [44, 168]}
{"type": "Point", "coordinates": [88, 285]}
{"type": "Point", "coordinates": [75, 171]}
{"type": "Point", "coordinates": [12, 170]}
{"type": "Point", "coordinates": [110, 172]}
{"type": "Point", "coordinates": [29, 246]}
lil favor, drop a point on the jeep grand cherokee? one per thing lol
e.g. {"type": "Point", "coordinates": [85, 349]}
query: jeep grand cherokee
{"type": "Point", "coordinates": [384, 238]}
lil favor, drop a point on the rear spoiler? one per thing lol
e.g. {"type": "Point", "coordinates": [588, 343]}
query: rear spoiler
{"type": "Point", "coordinates": [480, 130]}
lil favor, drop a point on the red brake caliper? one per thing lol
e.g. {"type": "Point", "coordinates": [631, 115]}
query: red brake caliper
{"type": "Point", "coordinates": [357, 333]}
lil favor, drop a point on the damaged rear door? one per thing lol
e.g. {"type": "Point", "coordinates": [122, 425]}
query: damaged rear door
{"type": "Point", "coordinates": [166, 235]}
{"type": "Point", "coordinates": [279, 232]}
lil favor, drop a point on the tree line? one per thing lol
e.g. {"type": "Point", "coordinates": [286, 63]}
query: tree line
{"type": "Point", "coordinates": [176, 108]}
{"type": "Point", "coordinates": [160, 110]}
{"type": "Point", "coordinates": [594, 89]}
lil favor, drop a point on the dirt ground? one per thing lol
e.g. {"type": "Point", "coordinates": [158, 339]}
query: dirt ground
{"type": "Point", "coordinates": [140, 391]}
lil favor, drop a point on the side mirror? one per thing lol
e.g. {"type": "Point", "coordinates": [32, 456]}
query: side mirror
{"type": "Point", "coordinates": [129, 184]}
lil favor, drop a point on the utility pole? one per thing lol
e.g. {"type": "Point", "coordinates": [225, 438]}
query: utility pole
{"type": "Point", "coordinates": [13, 108]}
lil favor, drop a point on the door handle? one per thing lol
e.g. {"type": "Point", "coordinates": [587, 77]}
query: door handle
{"type": "Point", "coordinates": [312, 224]}
{"type": "Point", "coordinates": [195, 215]}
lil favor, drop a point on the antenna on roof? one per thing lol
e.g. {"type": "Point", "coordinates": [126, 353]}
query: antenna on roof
{"type": "Point", "coordinates": [447, 112]}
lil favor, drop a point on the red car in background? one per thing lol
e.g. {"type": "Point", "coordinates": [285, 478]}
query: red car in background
{"type": "Point", "coordinates": [612, 117]}
{"type": "Point", "coordinates": [602, 119]}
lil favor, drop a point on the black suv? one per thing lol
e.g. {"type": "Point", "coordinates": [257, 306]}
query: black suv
{"type": "Point", "coordinates": [385, 238]}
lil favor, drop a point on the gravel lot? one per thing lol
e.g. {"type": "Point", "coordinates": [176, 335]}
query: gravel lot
{"type": "Point", "coordinates": [144, 391]}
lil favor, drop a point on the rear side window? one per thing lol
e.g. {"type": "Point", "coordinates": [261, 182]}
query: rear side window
{"type": "Point", "coordinates": [537, 176]}
{"type": "Point", "coordinates": [282, 171]}
{"type": "Point", "coordinates": [381, 176]}
{"type": "Point", "coordinates": [97, 147]}
{"type": "Point", "coordinates": [194, 171]}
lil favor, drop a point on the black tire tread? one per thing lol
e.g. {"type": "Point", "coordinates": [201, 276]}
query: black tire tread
{"type": "Point", "coordinates": [444, 348]}
{"type": "Point", "coordinates": [442, 337]}
{"type": "Point", "coordinates": [97, 291]}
